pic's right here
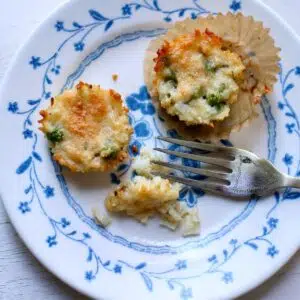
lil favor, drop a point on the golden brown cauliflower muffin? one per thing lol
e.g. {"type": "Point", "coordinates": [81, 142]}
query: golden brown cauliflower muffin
{"type": "Point", "coordinates": [196, 78]}
{"type": "Point", "coordinates": [87, 128]}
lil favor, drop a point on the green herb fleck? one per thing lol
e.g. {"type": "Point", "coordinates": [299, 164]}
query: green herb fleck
{"type": "Point", "coordinates": [222, 88]}
{"type": "Point", "coordinates": [210, 67]}
{"type": "Point", "coordinates": [198, 93]}
{"type": "Point", "coordinates": [109, 151]}
{"type": "Point", "coordinates": [55, 136]}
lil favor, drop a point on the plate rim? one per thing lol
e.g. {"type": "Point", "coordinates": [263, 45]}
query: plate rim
{"type": "Point", "coordinates": [50, 267]}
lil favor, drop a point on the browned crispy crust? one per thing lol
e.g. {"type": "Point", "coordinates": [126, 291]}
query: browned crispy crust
{"type": "Point", "coordinates": [84, 113]}
{"type": "Point", "coordinates": [256, 47]}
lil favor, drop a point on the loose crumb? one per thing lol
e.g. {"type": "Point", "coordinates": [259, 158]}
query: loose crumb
{"type": "Point", "coordinates": [115, 77]}
{"type": "Point", "coordinates": [102, 220]}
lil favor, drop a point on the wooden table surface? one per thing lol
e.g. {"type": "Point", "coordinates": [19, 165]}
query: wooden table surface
{"type": "Point", "coordinates": [21, 275]}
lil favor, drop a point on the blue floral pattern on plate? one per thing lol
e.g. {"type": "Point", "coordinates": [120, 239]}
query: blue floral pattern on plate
{"type": "Point", "coordinates": [140, 102]}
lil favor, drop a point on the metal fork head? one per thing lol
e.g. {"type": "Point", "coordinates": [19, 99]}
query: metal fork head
{"type": "Point", "coordinates": [239, 173]}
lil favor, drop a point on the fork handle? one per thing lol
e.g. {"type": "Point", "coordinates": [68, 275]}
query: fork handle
{"type": "Point", "coordinates": [292, 182]}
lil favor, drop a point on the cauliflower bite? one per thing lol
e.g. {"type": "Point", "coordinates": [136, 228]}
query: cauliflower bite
{"type": "Point", "coordinates": [147, 195]}
{"type": "Point", "coordinates": [143, 197]}
{"type": "Point", "coordinates": [196, 78]}
{"type": "Point", "coordinates": [87, 128]}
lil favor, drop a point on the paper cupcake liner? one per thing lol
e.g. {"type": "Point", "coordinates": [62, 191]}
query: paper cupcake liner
{"type": "Point", "coordinates": [244, 112]}
{"type": "Point", "coordinates": [244, 36]}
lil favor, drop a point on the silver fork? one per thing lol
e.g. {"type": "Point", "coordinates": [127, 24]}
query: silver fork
{"type": "Point", "coordinates": [239, 173]}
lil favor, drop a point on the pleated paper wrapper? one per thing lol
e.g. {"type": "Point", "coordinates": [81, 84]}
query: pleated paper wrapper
{"type": "Point", "coordinates": [242, 35]}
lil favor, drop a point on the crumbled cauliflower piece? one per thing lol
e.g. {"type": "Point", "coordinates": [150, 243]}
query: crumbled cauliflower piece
{"type": "Point", "coordinates": [147, 195]}
{"type": "Point", "coordinates": [143, 197]}
{"type": "Point", "coordinates": [102, 220]}
{"type": "Point", "coordinates": [169, 225]}
{"type": "Point", "coordinates": [142, 164]}
{"type": "Point", "coordinates": [191, 222]}
{"type": "Point", "coordinates": [187, 217]}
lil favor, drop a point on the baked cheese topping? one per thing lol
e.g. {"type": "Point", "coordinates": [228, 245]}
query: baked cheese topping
{"type": "Point", "coordinates": [197, 78]}
{"type": "Point", "coordinates": [87, 128]}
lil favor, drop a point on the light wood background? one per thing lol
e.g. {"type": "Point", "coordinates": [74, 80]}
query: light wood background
{"type": "Point", "coordinates": [21, 275]}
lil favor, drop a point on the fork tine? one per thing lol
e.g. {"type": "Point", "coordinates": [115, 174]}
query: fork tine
{"type": "Point", "coordinates": [203, 158]}
{"type": "Point", "coordinates": [208, 186]}
{"type": "Point", "coordinates": [198, 145]}
{"type": "Point", "coordinates": [220, 174]}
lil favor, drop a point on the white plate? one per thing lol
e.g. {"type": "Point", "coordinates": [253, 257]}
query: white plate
{"type": "Point", "coordinates": [242, 243]}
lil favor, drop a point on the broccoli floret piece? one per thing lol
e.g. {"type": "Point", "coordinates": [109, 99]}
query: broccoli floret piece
{"type": "Point", "coordinates": [109, 151]}
{"type": "Point", "coordinates": [55, 136]}
{"type": "Point", "coordinates": [215, 100]}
